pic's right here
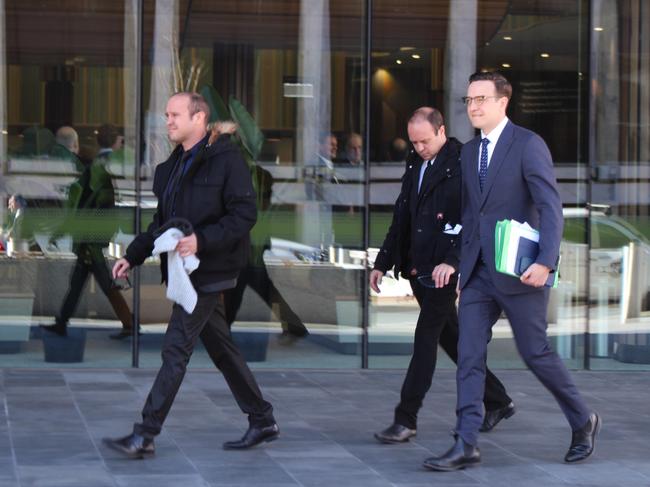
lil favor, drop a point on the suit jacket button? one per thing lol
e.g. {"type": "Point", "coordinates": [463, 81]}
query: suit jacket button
{"type": "Point", "coordinates": [419, 230]}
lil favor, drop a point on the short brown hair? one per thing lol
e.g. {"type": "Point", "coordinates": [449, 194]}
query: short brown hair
{"type": "Point", "coordinates": [429, 114]}
{"type": "Point", "coordinates": [501, 84]}
{"type": "Point", "coordinates": [107, 135]}
{"type": "Point", "coordinates": [196, 103]}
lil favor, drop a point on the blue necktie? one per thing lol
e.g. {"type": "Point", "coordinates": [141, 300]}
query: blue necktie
{"type": "Point", "coordinates": [483, 166]}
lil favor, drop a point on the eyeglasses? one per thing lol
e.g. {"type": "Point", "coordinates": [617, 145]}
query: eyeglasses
{"type": "Point", "coordinates": [479, 100]}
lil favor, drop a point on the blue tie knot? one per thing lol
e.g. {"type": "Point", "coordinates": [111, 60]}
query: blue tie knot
{"type": "Point", "coordinates": [485, 141]}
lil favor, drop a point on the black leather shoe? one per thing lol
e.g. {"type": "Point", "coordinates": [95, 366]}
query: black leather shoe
{"type": "Point", "coordinates": [132, 446]}
{"type": "Point", "coordinates": [459, 456]}
{"type": "Point", "coordinates": [492, 418]}
{"type": "Point", "coordinates": [583, 440]}
{"type": "Point", "coordinates": [254, 436]}
{"type": "Point", "coordinates": [58, 328]}
{"type": "Point", "coordinates": [395, 433]}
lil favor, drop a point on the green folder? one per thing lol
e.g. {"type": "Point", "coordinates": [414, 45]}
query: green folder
{"type": "Point", "coordinates": [515, 249]}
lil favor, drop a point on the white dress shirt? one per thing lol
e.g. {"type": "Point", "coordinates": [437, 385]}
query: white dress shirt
{"type": "Point", "coordinates": [493, 137]}
{"type": "Point", "coordinates": [423, 168]}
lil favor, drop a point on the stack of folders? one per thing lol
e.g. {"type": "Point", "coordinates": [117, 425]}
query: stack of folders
{"type": "Point", "coordinates": [516, 246]}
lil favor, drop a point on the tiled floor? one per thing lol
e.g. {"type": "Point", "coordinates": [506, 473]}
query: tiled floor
{"type": "Point", "coordinates": [52, 423]}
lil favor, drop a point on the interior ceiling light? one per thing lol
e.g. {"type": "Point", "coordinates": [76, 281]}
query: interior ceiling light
{"type": "Point", "coordinates": [507, 38]}
{"type": "Point", "coordinates": [545, 55]}
{"type": "Point", "coordinates": [415, 56]}
{"type": "Point", "coordinates": [399, 61]}
{"type": "Point", "coordinates": [599, 29]}
{"type": "Point", "coordinates": [505, 65]}
{"type": "Point", "coordinates": [406, 48]}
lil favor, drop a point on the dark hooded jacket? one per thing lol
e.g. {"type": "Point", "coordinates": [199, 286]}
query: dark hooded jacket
{"type": "Point", "coordinates": [216, 195]}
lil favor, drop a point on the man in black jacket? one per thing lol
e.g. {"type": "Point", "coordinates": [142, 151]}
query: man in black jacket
{"type": "Point", "coordinates": [210, 186]}
{"type": "Point", "coordinates": [422, 245]}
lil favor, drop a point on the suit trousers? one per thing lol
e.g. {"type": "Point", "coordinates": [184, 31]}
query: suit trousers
{"type": "Point", "coordinates": [481, 304]}
{"type": "Point", "coordinates": [207, 321]}
{"type": "Point", "coordinates": [437, 324]}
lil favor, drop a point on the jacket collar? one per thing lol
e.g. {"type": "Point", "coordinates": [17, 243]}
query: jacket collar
{"type": "Point", "coordinates": [440, 168]}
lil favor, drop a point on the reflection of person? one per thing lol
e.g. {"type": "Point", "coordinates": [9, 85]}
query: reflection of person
{"type": "Point", "coordinates": [16, 206]}
{"type": "Point", "coordinates": [397, 150]}
{"type": "Point", "coordinates": [14, 231]}
{"type": "Point", "coordinates": [421, 249]}
{"type": "Point", "coordinates": [255, 274]}
{"type": "Point", "coordinates": [109, 141]}
{"type": "Point", "coordinates": [507, 174]}
{"type": "Point", "coordinates": [91, 196]}
{"type": "Point", "coordinates": [67, 146]}
{"type": "Point", "coordinates": [354, 149]}
{"type": "Point", "coordinates": [209, 185]}
{"type": "Point", "coordinates": [320, 168]}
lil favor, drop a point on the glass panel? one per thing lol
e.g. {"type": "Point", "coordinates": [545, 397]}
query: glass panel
{"type": "Point", "coordinates": [620, 219]}
{"type": "Point", "coordinates": [298, 72]}
{"type": "Point", "coordinates": [67, 116]}
{"type": "Point", "coordinates": [423, 54]}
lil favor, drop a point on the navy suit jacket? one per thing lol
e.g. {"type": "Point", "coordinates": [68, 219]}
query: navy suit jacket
{"type": "Point", "coordinates": [520, 185]}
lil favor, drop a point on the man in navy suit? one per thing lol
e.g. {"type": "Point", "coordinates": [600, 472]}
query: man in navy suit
{"type": "Point", "coordinates": [507, 174]}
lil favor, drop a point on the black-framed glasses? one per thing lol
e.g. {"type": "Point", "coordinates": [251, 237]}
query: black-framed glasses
{"type": "Point", "coordinates": [122, 284]}
{"type": "Point", "coordinates": [479, 100]}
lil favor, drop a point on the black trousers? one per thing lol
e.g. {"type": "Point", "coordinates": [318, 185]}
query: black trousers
{"type": "Point", "coordinates": [258, 279]}
{"type": "Point", "coordinates": [437, 324]}
{"type": "Point", "coordinates": [90, 260]}
{"type": "Point", "coordinates": [208, 322]}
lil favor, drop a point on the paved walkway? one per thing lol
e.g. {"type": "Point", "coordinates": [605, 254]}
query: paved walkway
{"type": "Point", "coordinates": [53, 420]}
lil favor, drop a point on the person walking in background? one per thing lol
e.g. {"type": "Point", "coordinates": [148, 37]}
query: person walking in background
{"type": "Point", "coordinates": [507, 174]}
{"type": "Point", "coordinates": [209, 185]}
{"type": "Point", "coordinates": [423, 245]}
{"type": "Point", "coordinates": [91, 201]}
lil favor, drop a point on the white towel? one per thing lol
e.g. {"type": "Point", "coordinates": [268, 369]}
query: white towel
{"type": "Point", "coordinates": [179, 286]}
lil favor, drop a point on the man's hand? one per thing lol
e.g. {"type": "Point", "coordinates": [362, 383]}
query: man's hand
{"type": "Point", "coordinates": [375, 280]}
{"type": "Point", "coordinates": [441, 274]}
{"type": "Point", "coordinates": [187, 245]}
{"type": "Point", "coordinates": [121, 268]}
{"type": "Point", "coordinates": [536, 275]}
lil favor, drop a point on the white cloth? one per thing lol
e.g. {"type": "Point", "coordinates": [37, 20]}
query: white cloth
{"type": "Point", "coordinates": [179, 286]}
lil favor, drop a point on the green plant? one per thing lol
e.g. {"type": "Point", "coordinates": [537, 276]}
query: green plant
{"type": "Point", "coordinates": [248, 135]}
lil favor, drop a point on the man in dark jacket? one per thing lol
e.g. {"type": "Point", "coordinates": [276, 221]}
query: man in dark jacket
{"type": "Point", "coordinates": [422, 245]}
{"type": "Point", "coordinates": [210, 186]}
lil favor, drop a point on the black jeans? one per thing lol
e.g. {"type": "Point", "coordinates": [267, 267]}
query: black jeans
{"type": "Point", "coordinates": [208, 322]}
{"type": "Point", "coordinates": [437, 324]}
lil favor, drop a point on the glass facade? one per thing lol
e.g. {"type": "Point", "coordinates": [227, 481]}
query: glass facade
{"type": "Point", "coordinates": [322, 91]}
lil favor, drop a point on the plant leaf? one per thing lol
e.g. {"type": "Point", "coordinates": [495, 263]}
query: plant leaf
{"type": "Point", "coordinates": [218, 109]}
{"type": "Point", "coordinates": [251, 136]}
